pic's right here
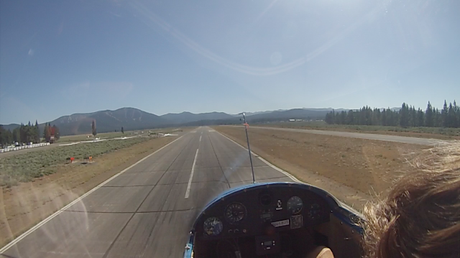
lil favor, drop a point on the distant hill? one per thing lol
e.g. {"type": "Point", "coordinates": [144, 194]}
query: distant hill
{"type": "Point", "coordinates": [135, 119]}
{"type": "Point", "coordinates": [10, 126]}
{"type": "Point", "coordinates": [108, 121]}
{"type": "Point", "coordinates": [187, 117]}
{"type": "Point", "coordinates": [267, 116]}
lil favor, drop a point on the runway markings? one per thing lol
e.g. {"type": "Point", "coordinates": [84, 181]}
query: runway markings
{"type": "Point", "coordinates": [293, 178]}
{"type": "Point", "coordinates": [200, 137]}
{"type": "Point", "coordinates": [187, 192]}
{"type": "Point", "coordinates": [43, 222]}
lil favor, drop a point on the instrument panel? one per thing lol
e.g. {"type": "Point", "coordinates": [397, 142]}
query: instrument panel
{"type": "Point", "coordinates": [259, 210]}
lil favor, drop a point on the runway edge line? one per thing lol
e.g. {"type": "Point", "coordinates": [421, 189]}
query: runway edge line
{"type": "Point", "coordinates": [43, 222]}
{"type": "Point", "coordinates": [293, 178]}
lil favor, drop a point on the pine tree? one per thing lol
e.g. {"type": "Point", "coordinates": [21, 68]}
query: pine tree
{"type": "Point", "coordinates": [444, 114]}
{"type": "Point", "coordinates": [408, 115]}
{"type": "Point", "coordinates": [350, 117]}
{"type": "Point", "coordinates": [437, 118]}
{"type": "Point", "coordinates": [3, 140]}
{"type": "Point", "coordinates": [46, 133]}
{"type": "Point", "coordinates": [420, 118]}
{"type": "Point", "coordinates": [16, 135]}
{"type": "Point", "coordinates": [93, 127]}
{"type": "Point", "coordinates": [457, 114]}
{"type": "Point", "coordinates": [6, 137]}
{"type": "Point", "coordinates": [429, 117]}
{"type": "Point", "coordinates": [37, 132]}
{"type": "Point", "coordinates": [404, 115]}
{"type": "Point", "coordinates": [451, 117]}
{"type": "Point", "coordinates": [330, 117]}
{"type": "Point", "coordinates": [56, 133]}
{"type": "Point", "coordinates": [22, 135]}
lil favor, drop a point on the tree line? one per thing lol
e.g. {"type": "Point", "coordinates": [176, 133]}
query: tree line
{"type": "Point", "coordinates": [407, 116]}
{"type": "Point", "coordinates": [28, 133]}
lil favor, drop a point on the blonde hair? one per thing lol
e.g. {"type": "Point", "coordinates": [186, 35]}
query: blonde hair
{"type": "Point", "coordinates": [421, 215]}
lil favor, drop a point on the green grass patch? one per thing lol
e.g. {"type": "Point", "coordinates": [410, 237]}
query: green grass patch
{"type": "Point", "coordinates": [25, 167]}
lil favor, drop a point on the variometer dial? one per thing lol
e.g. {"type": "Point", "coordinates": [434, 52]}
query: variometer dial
{"type": "Point", "coordinates": [294, 204]}
{"type": "Point", "coordinates": [213, 226]}
{"type": "Point", "coordinates": [315, 211]}
{"type": "Point", "coordinates": [235, 212]}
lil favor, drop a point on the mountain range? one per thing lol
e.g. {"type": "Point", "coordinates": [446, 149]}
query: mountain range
{"type": "Point", "coordinates": [187, 117]}
{"type": "Point", "coordinates": [135, 119]}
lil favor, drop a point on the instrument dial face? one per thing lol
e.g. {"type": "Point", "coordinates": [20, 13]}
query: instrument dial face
{"type": "Point", "coordinates": [213, 226]}
{"type": "Point", "coordinates": [235, 212]}
{"type": "Point", "coordinates": [315, 211]}
{"type": "Point", "coordinates": [265, 198]}
{"type": "Point", "coordinates": [295, 204]}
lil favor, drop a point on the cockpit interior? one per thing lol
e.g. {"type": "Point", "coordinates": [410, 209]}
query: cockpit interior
{"type": "Point", "coordinates": [275, 220]}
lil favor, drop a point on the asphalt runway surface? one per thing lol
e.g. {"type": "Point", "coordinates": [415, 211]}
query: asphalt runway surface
{"type": "Point", "coordinates": [147, 210]}
{"type": "Point", "coordinates": [367, 136]}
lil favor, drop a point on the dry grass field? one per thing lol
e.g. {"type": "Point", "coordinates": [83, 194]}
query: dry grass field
{"type": "Point", "coordinates": [353, 170]}
{"type": "Point", "coordinates": [421, 132]}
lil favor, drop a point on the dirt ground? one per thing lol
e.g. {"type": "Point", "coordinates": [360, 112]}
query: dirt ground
{"type": "Point", "coordinates": [25, 205]}
{"type": "Point", "coordinates": [353, 170]}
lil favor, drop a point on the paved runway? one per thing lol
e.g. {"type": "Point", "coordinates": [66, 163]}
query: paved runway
{"type": "Point", "coordinates": [148, 210]}
{"type": "Point", "coordinates": [367, 136]}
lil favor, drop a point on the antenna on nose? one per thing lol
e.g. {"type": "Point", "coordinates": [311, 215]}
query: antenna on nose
{"type": "Point", "coordinates": [249, 147]}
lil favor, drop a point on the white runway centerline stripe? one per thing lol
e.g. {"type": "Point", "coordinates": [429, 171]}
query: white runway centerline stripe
{"type": "Point", "coordinates": [200, 137]}
{"type": "Point", "coordinates": [187, 193]}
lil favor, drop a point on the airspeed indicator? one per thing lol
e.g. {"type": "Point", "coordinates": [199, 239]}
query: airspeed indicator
{"type": "Point", "coordinates": [294, 204]}
{"type": "Point", "coordinates": [235, 212]}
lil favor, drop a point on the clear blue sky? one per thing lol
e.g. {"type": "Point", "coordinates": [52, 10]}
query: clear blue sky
{"type": "Point", "coordinates": [64, 57]}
